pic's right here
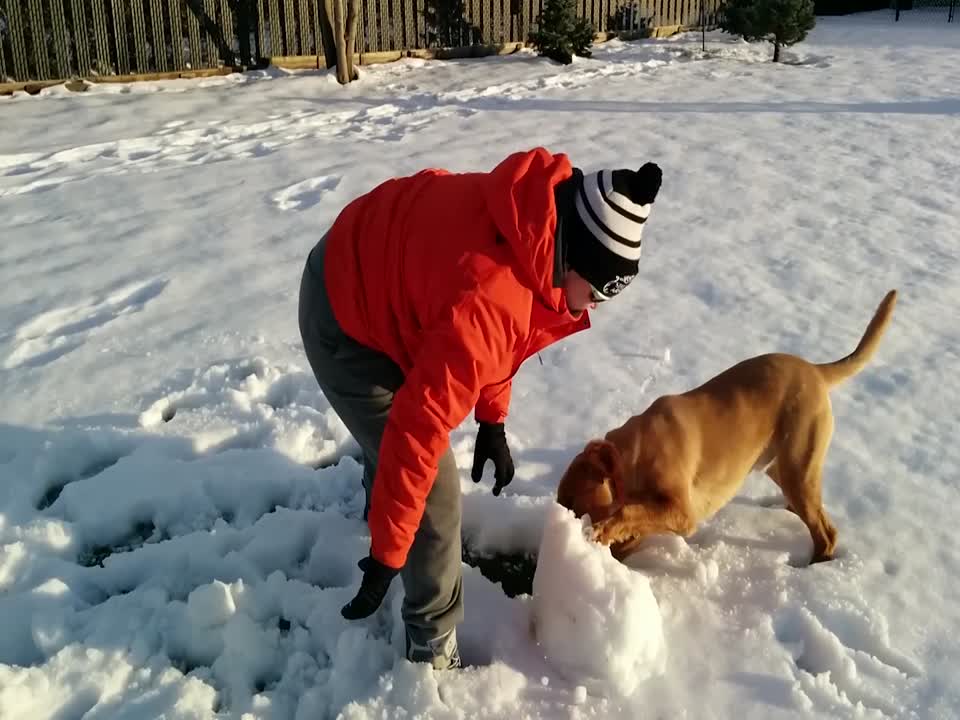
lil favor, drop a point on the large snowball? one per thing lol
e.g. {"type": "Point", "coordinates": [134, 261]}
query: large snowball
{"type": "Point", "coordinates": [210, 605]}
{"type": "Point", "coordinates": [595, 619]}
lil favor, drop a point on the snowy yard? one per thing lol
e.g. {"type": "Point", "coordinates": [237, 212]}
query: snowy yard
{"type": "Point", "coordinates": [180, 509]}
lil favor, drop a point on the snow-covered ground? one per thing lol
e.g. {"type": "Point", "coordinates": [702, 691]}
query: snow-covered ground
{"type": "Point", "coordinates": [180, 509]}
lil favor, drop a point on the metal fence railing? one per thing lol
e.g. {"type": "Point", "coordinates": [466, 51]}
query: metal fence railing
{"type": "Point", "coordinates": [61, 39]}
{"type": "Point", "coordinates": [926, 10]}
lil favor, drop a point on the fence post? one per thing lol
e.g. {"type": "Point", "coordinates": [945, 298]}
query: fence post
{"type": "Point", "coordinates": [193, 36]}
{"type": "Point", "coordinates": [81, 39]}
{"type": "Point", "coordinates": [140, 36]}
{"type": "Point", "coordinates": [703, 26]}
{"type": "Point", "coordinates": [158, 40]}
{"type": "Point", "coordinates": [21, 67]}
{"type": "Point", "coordinates": [39, 35]}
{"type": "Point", "coordinates": [244, 28]}
{"type": "Point", "coordinates": [176, 34]}
{"type": "Point", "coordinates": [120, 36]}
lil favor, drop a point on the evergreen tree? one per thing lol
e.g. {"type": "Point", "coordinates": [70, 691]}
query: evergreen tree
{"type": "Point", "coordinates": [782, 22]}
{"type": "Point", "coordinates": [561, 34]}
{"type": "Point", "coordinates": [447, 24]}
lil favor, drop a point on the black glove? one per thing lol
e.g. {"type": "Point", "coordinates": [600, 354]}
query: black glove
{"type": "Point", "coordinates": [492, 445]}
{"type": "Point", "coordinates": [373, 588]}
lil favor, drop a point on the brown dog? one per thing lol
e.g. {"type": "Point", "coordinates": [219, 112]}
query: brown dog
{"type": "Point", "coordinates": [687, 455]}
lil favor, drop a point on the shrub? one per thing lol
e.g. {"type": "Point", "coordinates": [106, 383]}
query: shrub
{"type": "Point", "coordinates": [561, 34]}
{"type": "Point", "coordinates": [781, 22]}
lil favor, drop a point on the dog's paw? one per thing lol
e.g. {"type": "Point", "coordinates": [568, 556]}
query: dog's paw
{"type": "Point", "coordinates": [609, 531]}
{"type": "Point", "coordinates": [599, 529]}
{"type": "Point", "coordinates": [593, 532]}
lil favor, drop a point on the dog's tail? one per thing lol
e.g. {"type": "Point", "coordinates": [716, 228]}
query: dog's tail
{"type": "Point", "coordinates": [836, 372]}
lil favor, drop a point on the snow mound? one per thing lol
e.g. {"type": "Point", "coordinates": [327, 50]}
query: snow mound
{"type": "Point", "coordinates": [596, 620]}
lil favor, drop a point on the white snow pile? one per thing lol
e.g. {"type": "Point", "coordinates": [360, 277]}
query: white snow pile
{"type": "Point", "coordinates": [596, 620]}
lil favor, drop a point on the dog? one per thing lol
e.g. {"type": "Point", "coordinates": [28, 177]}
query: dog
{"type": "Point", "coordinates": [670, 468]}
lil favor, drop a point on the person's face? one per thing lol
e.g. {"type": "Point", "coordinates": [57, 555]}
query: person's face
{"type": "Point", "coordinates": [579, 293]}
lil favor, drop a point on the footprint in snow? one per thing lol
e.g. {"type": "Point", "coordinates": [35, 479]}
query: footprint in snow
{"type": "Point", "coordinates": [305, 194]}
{"type": "Point", "coordinates": [59, 482]}
{"type": "Point", "coordinates": [53, 334]}
{"type": "Point", "coordinates": [250, 404]}
{"type": "Point", "coordinates": [844, 659]}
{"type": "Point", "coordinates": [172, 126]}
{"type": "Point", "coordinates": [76, 458]}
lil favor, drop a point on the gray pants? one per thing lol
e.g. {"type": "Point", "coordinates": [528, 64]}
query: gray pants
{"type": "Point", "coordinates": [359, 383]}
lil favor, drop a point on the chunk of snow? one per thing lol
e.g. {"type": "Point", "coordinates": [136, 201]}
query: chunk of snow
{"type": "Point", "coordinates": [596, 620]}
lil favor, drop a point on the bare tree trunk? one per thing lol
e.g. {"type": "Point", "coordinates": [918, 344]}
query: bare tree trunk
{"type": "Point", "coordinates": [776, 50]}
{"type": "Point", "coordinates": [350, 37]}
{"type": "Point", "coordinates": [342, 77]}
{"type": "Point", "coordinates": [328, 33]}
{"type": "Point", "coordinates": [345, 30]}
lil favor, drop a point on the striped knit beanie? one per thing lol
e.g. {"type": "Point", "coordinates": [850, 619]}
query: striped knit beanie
{"type": "Point", "coordinates": [604, 226]}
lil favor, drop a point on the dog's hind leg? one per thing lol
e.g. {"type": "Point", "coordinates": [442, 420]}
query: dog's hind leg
{"type": "Point", "coordinates": [800, 474]}
{"type": "Point", "coordinates": [774, 475]}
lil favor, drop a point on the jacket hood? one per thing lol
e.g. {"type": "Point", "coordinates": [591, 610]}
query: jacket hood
{"type": "Point", "coordinates": [519, 194]}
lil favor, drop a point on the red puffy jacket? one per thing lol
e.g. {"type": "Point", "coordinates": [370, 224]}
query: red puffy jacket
{"type": "Point", "coordinates": [451, 276]}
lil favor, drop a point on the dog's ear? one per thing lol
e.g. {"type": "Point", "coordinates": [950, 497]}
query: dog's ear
{"type": "Point", "coordinates": [604, 454]}
{"type": "Point", "coordinates": [564, 495]}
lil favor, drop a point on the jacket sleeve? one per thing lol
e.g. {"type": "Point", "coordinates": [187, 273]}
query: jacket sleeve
{"type": "Point", "coordinates": [493, 405]}
{"type": "Point", "coordinates": [461, 354]}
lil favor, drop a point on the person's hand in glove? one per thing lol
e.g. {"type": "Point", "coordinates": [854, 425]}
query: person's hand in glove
{"type": "Point", "coordinates": [373, 588]}
{"type": "Point", "coordinates": [492, 445]}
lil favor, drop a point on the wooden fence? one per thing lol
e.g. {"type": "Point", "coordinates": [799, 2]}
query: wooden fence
{"type": "Point", "coordinates": [60, 39]}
